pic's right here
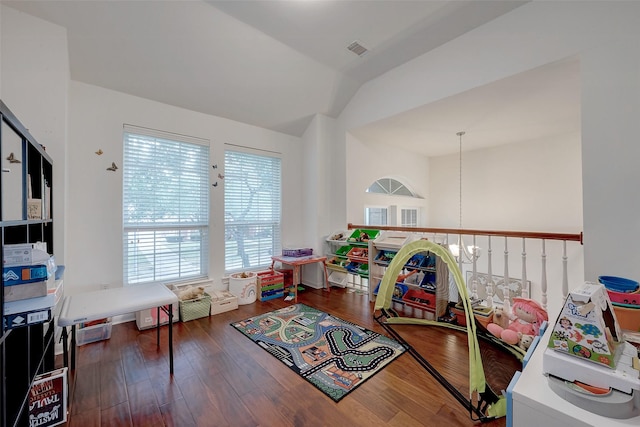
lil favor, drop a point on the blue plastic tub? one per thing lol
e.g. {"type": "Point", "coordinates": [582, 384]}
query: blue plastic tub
{"type": "Point", "coordinates": [618, 284]}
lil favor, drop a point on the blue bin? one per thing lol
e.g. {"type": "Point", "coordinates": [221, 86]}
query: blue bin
{"type": "Point", "coordinates": [618, 284]}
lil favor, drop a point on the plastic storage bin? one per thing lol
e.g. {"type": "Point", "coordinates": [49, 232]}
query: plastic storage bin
{"type": "Point", "coordinates": [300, 252]}
{"type": "Point", "coordinates": [628, 318]}
{"type": "Point", "coordinates": [93, 332]}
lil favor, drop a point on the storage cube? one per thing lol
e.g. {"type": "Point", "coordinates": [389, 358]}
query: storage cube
{"type": "Point", "coordinates": [270, 285]}
{"type": "Point", "coordinates": [195, 308]}
{"type": "Point", "coordinates": [223, 301]}
{"type": "Point", "coordinates": [420, 299]}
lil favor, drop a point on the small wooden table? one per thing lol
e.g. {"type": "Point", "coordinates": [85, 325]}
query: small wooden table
{"type": "Point", "coordinates": [88, 306]}
{"type": "Point", "coordinates": [296, 263]}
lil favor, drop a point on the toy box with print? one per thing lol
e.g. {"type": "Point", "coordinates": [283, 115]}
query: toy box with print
{"type": "Point", "coordinates": [586, 326]}
{"type": "Point", "coordinates": [223, 301]}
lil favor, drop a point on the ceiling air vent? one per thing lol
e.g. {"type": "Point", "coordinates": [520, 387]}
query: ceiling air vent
{"type": "Point", "coordinates": [357, 48]}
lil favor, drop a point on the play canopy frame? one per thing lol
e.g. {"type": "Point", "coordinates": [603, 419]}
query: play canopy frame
{"type": "Point", "coordinates": [482, 402]}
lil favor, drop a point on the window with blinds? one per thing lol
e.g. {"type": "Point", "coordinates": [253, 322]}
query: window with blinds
{"type": "Point", "coordinates": [375, 216]}
{"type": "Point", "coordinates": [252, 209]}
{"type": "Point", "coordinates": [409, 217]}
{"type": "Point", "coordinates": [165, 206]}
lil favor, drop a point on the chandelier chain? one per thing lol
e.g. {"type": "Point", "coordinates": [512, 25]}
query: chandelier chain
{"type": "Point", "coordinates": [460, 178]}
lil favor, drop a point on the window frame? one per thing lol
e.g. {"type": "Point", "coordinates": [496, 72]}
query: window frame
{"type": "Point", "coordinates": [263, 228]}
{"type": "Point", "coordinates": [167, 238]}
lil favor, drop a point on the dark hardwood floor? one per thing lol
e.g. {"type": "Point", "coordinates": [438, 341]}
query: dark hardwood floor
{"type": "Point", "coordinates": [223, 379]}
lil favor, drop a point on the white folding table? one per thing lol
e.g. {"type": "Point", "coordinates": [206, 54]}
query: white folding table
{"type": "Point", "coordinates": [88, 306]}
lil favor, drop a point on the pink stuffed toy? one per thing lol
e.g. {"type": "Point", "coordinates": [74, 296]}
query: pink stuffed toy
{"type": "Point", "coordinates": [526, 317]}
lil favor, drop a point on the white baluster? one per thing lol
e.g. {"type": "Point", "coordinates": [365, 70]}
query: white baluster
{"type": "Point", "coordinates": [460, 254]}
{"type": "Point", "coordinates": [525, 289]}
{"type": "Point", "coordinates": [507, 288]}
{"type": "Point", "coordinates": [490, 284]}
{"type": "Point", "coordinates": [565, 276]}
{"type": "Point", "coordinates": [474, 281]}
{"type": "Point", "coordinates": [543, 279]}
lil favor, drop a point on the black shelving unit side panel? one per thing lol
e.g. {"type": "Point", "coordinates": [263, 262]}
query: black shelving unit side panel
{"type": "Point", "coordinates": [17, 378]}
{"type": "Point", "coordinates": [28, 351]}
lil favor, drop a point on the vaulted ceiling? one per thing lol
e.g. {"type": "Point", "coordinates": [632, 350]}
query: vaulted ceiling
{"type": "Point", "coordinates": [275, 64]}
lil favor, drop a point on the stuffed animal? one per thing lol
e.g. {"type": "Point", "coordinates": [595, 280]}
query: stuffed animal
{"type": "Point", "coordinates": [190, 293]}
{"type": "Point", "coordinates": [525, 341]}
{"type": "Point", "coordinates": [526, 317]}
{"type": "Point", "coordinates": [500, 318]}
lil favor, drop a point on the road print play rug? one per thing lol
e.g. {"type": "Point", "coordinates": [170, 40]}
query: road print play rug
{"type": "Point", "coordinates": [334, 355]}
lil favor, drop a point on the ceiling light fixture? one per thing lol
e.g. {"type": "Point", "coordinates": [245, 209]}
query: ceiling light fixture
{"type": "Point", "coordinates": [463, 253]}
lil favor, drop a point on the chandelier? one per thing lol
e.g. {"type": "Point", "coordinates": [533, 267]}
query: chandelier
{"type": "Point", "coordinates": [464, 254]}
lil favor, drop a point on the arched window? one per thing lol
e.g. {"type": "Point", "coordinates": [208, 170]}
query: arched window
{"type": "Point", "coordinates": [390, 213]}
{"type": "Point", "coordinates": [391, 187]}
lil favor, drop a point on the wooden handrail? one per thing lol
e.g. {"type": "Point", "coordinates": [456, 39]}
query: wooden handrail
{"type": "Point", "coordinates": [575, 237]}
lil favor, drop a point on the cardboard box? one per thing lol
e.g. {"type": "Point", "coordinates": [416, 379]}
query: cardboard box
{"type": "Point", "coordinates": [48, 399]}
{"type": "Point", "coordinates": [25, 291]}
{"type": "Point", "coordinates": [17, 320]}
{"type": "Point", "coordinates": [223, 301]}
{"type": "Point", "coordinates": [20, 274]}
{"type": "Point", "coordinates": [55, 291]}
{"type": "Point", "coordinates": [148, 318]}
{"type": "Point", "coordinates": [14, 255]}
{"type": "Point", "coordinates": [587, 327]}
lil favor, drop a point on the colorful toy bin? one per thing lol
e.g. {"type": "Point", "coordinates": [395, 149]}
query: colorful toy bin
{"type": "Point", "coordinates": [244, 286]}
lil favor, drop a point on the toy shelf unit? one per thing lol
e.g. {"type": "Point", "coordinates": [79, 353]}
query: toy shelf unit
{"type": "Point", "coordinates": [348, 258]}
{"type": "Point", "coordinates": [27, 342]}
{"type": "Point", "coordinates": [415, 292]}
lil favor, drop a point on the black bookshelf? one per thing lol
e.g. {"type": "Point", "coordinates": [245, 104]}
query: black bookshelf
{"type": "Point", "coordinates": [25, 351]}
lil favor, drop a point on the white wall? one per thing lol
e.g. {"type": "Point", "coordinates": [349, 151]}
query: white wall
{"type": "Point", "coordinates": [34, 85]}
{"type": "Point", "coordinates": [610, 114]}
{"type": "Point", "coordinates": [368, 162]}
{"type": "Point", "coordinates": [317, 166]}
{"type": "Point", "coordinates": [605, 36]}
{"type": "Point", "coordinates": [96, 117]}
{"type": "Point", "coordinates": [530, 186]}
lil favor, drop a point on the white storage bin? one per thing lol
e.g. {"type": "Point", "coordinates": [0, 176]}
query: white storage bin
{"type": "Point", "coordinates": [146, 319]}
{"type": "Point", "coordinates": [338, 278]}
{"type": "Point", "coordinates": [94, 333]}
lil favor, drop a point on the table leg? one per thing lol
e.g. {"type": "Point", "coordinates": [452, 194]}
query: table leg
{"type": "Point", "coordinates": [296, 281]}
{"type": "Point", "coordinates": [170, 314]}
{"type": "Point", "coordinates": [65, 348]}
{"type": "Point", "coordinates": [158, 326]}
{"type": "Point", "coordinates": [73, 347]}
{"type": "Point", "coordinates": [326, 276]}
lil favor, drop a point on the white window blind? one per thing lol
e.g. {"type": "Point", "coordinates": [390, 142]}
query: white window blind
{"type": "Point", "coordinates": [409, 217]}
{"type": "Point", "coordinates": [375, 216]}
{"type": "Point", "coordinates": [252, 206]}
{"type": "Point", "coordinates": [165, 206]}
